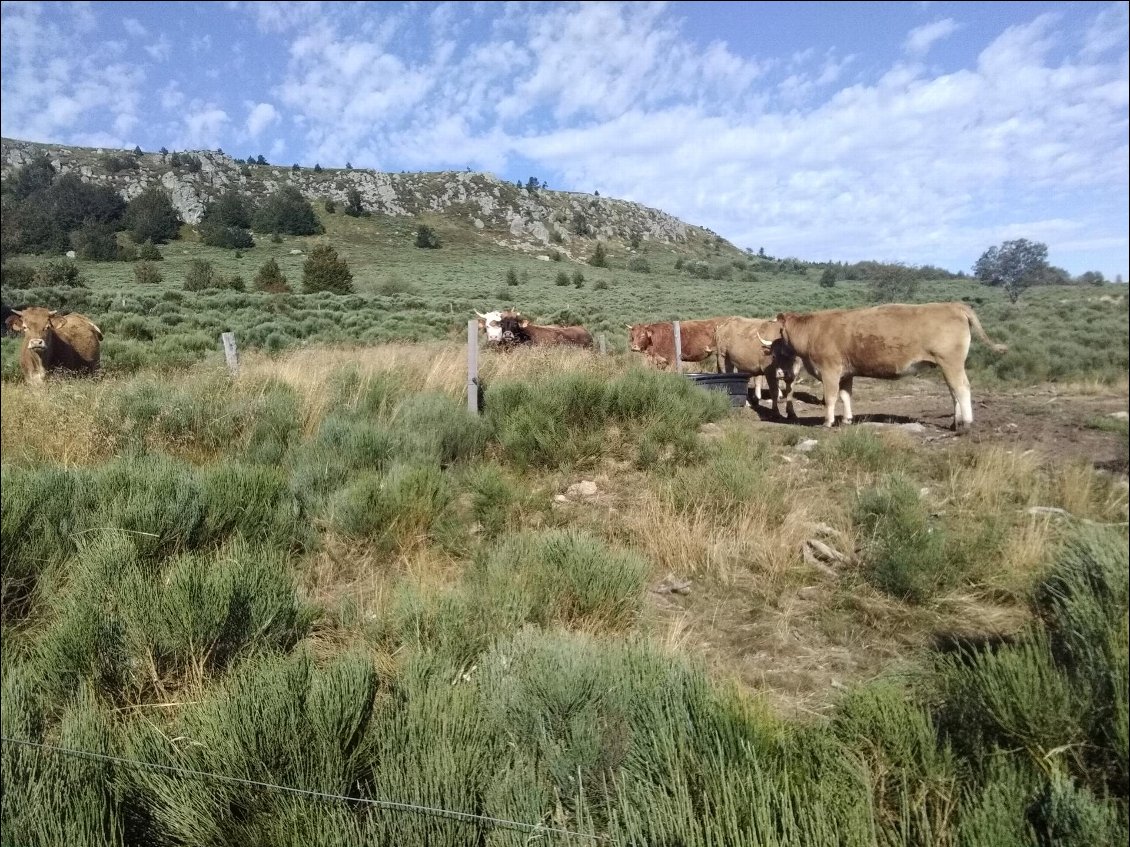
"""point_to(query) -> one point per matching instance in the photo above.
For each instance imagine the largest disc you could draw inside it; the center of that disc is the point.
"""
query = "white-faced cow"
(491, 324)
(53, 342)
(739, 346)
(657, 340)
(518, 330)
(883, 342)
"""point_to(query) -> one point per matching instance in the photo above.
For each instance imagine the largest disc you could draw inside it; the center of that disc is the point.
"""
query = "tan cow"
(739, 346)
(516, 329)
(883, 342)
(68, 343)
(657, 340)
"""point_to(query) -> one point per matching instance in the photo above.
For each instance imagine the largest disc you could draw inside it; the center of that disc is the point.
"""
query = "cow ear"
(525, 322)
(15, 322)
(781, 317)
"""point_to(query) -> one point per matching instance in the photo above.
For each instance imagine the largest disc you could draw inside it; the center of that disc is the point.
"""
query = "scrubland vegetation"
(325, 574)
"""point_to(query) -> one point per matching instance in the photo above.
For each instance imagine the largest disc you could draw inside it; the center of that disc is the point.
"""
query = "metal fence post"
(473, 367)
(678, 348)
(230, 352)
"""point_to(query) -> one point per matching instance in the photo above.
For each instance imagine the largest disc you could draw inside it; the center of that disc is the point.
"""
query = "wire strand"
(390, 805)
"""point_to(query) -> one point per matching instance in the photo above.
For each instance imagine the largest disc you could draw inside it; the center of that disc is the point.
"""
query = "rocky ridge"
(512, 216)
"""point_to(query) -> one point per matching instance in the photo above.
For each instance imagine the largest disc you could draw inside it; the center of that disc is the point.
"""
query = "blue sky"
(919, 132)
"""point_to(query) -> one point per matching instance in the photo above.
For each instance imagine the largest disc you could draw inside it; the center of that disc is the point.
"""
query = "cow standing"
(69, 343)
(657, 340)
(738, 344)
(882, 342)
(518, 330)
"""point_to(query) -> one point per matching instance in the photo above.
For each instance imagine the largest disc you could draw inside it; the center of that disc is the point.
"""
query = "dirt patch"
(821, 633)
(1060, 424)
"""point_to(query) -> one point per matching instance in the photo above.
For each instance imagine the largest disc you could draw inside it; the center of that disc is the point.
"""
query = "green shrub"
(96, 242)
(599, 257)
(639, 265)
(17, 275)
(58, 275)
(286, 211)
(148, 252)
(905, 553)
(395, 509)
(270, 279)
(216, 234)
(426, 237)
(324, 271)
(562, 279)
(146, 273)
(201, 275)
(151, 216)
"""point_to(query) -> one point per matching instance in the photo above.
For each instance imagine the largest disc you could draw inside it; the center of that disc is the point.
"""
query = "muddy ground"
(799, 650)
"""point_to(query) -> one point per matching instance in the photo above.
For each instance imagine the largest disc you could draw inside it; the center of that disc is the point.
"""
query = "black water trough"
(733, 384)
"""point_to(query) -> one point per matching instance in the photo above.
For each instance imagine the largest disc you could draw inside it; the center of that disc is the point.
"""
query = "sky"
(915, 132)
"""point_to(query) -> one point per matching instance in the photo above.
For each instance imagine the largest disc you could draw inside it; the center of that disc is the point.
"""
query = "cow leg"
(958, 383)
(774, 392)
(845, 398)
(831, 383)
(787, 395)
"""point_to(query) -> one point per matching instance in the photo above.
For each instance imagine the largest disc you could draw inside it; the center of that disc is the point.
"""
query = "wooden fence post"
(230, 352)
(678, 348)
(473, 367)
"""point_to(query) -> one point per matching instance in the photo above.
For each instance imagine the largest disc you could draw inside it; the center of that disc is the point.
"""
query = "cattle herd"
(834, 346)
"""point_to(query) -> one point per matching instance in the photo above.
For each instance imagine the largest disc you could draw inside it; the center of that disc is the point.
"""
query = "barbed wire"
(389, 805)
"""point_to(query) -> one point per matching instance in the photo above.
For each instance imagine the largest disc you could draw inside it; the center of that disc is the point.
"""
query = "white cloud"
(203, 127)
(261, 116)
(159, 50)
(921, 39)
(134, 27)
(56, 78)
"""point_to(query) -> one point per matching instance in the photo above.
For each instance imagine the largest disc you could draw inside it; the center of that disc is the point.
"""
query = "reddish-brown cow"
(657, 340)
(69, 343)
(883, 342)
(518, 330)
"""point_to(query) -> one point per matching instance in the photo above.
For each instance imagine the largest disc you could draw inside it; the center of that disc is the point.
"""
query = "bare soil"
(800, 649)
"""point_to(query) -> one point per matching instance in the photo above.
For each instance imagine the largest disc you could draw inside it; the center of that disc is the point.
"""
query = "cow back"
(77, 345)
(879, 341)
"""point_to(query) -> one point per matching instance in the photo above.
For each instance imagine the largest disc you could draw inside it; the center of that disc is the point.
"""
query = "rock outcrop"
(530, 220)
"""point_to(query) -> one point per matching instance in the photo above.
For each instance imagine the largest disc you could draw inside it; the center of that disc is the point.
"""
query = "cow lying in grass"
(518, 330)
(53, 342)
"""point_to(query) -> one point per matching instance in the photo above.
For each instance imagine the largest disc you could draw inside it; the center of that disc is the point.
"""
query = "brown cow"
(518, 330)
(739, 346)
(657, 340)
(883, 342)
(69, 343)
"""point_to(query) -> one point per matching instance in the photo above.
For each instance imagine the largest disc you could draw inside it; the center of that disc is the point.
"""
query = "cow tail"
(979, 331)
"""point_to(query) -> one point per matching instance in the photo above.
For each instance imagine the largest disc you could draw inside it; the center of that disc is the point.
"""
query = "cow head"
(36, 323)
(639, 337)
(775, 346)
(491, 323)
(513, 328)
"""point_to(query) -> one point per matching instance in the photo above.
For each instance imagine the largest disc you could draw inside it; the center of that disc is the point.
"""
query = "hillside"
(609, 605)
(501, 212)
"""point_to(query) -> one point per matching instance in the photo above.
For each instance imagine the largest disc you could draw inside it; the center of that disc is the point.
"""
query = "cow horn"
(484, 317)
(52, 313)
(764, 343)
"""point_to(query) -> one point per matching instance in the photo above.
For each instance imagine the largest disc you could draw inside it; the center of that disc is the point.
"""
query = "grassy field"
(404, 293)
(326, 574)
